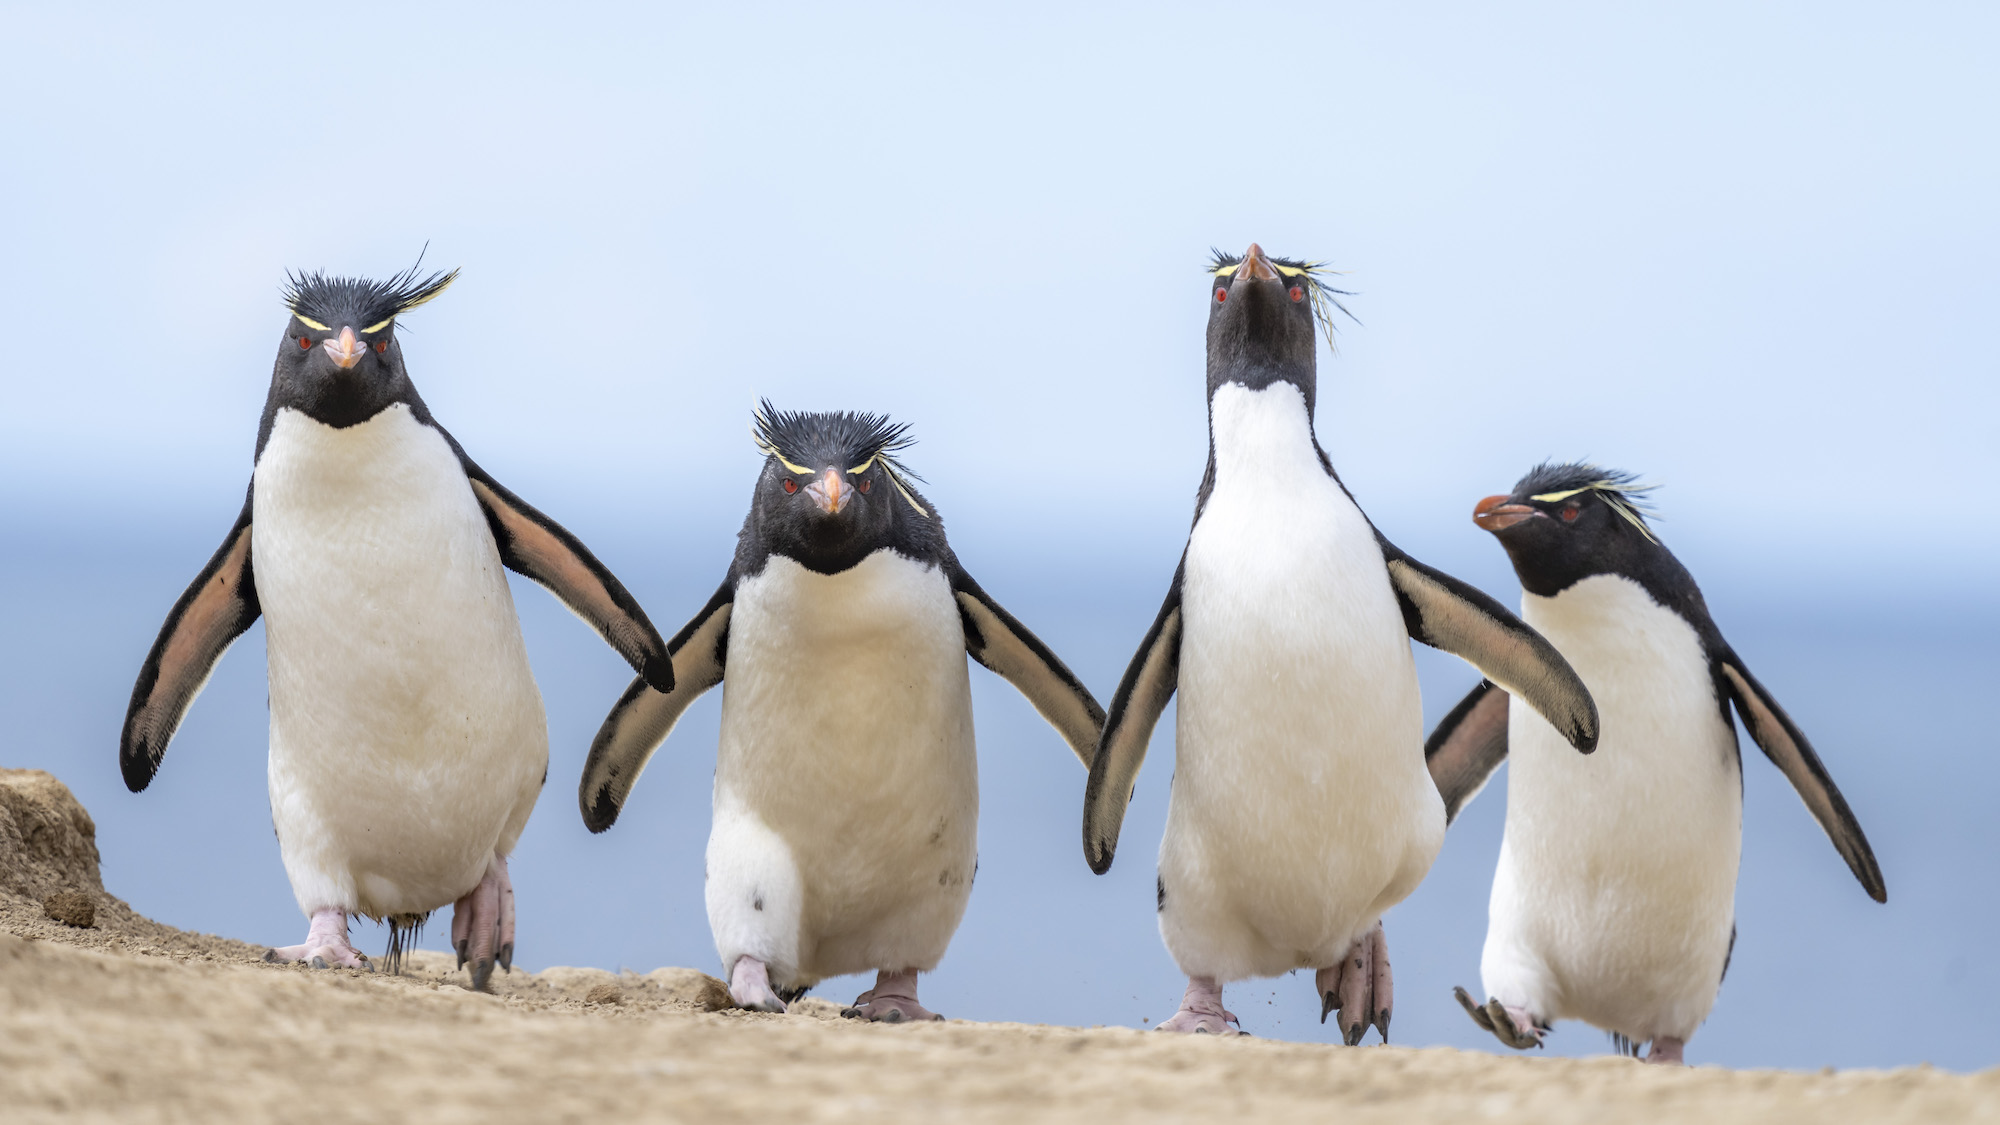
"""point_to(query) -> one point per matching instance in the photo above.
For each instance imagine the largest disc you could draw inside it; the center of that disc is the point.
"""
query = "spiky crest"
(1552, 482)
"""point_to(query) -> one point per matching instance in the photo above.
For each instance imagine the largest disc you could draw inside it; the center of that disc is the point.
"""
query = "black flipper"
(1786, 746)
(1447, 614)
(215, 610)
(1467, 746)
(1000, 643)
(1148, 683)
(542, 549)
(643, 717)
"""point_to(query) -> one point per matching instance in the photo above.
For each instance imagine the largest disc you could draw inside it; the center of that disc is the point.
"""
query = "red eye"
(1298, 294)
(304, 343)
(791, 485)
(381, 346)
(1569, 514)
(1221, 295)
(863, 486)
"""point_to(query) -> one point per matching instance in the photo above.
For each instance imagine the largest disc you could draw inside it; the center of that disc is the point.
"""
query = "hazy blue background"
(1749, 253)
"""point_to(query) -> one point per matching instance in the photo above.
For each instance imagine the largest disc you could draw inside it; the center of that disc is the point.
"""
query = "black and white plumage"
(846, 793)
(408, 742)
(1301, 808)
(1614, 898)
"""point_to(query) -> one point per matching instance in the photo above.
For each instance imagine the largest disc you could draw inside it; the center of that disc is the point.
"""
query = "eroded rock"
(48, 843)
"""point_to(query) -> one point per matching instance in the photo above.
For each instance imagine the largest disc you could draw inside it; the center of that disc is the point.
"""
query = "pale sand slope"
(134, 1021)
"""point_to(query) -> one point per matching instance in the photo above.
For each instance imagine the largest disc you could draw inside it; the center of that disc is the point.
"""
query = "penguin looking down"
(408, 743)
(1614, 899)
(846, 790)
(1300, 808)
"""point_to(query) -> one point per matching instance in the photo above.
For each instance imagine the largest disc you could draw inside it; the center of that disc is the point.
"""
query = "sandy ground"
(133, 1021)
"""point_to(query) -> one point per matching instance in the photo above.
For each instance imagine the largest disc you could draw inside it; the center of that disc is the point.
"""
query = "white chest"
(1667, 755)
(841, 688)
(386, 608)
(376, 519)
(1289, 617)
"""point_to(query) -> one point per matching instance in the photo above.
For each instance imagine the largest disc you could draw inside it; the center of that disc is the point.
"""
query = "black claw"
(1476, 1011)
(893, 1015)
(482, 975)
(1328, 1003)
(461, 951)
(507, 957)
(1354, 1034)
(1382, 1023)
(850, 1013)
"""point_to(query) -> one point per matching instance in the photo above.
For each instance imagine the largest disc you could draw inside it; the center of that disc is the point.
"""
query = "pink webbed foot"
(1360, 988)
(1666, 1050)
(326, 945)
(892, 1000)
(750, 986)
(1202, 1012)
(1516, 1027)
(482, 925)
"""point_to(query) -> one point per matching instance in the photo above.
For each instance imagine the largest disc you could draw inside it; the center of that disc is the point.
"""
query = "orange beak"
(1497, 513)
(830, 492)
(1256, 266)
(344, 349)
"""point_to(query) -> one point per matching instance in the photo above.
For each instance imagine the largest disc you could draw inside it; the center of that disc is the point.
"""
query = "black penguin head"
(1566, 522)
(1261, 313)
(833, 490)
(339, 362)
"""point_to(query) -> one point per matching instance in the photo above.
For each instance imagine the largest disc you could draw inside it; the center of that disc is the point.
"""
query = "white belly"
(407, 737)
(1301, 808)
(1615, 894)
(846, 787)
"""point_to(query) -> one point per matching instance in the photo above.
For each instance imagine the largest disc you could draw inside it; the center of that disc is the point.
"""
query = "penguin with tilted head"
(846, 792)
(1614, 901)
(1300, 807)
(407, 738)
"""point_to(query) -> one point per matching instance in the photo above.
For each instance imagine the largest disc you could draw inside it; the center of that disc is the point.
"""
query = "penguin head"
(339, 361)
(1566, 522)
(833, 490)
(1261, 317)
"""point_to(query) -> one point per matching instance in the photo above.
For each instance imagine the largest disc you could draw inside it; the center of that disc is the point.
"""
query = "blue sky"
(1746, 252)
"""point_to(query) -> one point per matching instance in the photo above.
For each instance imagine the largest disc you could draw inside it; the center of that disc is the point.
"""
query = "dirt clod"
(71, 909)
(604, 994)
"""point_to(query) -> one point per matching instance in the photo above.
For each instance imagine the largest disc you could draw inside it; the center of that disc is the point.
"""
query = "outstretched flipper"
(996, 640)
(216, 609)
(643, 717)
(1447, 614)
(542, 549)
(1788, 749)
(1467, 746)
(1148, 684)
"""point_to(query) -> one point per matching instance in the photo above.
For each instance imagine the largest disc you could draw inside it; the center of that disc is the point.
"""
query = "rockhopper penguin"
(407, 737)
(1300, 807)
(1614, 901)
(846, 792)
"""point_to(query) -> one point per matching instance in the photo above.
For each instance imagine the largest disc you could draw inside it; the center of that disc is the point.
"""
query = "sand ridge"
(135, 1021)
